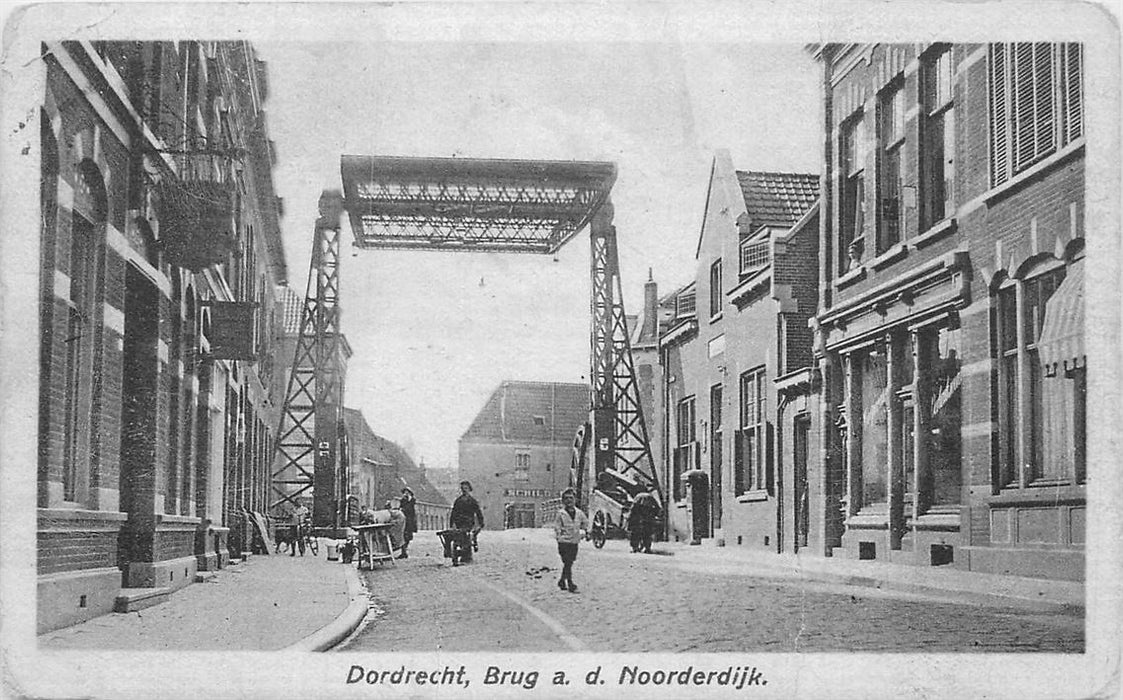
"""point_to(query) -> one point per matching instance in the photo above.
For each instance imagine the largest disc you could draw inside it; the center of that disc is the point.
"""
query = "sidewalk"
(265, 603)
(990, 588)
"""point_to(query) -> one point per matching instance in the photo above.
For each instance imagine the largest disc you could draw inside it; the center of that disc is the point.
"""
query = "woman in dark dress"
(409, 509)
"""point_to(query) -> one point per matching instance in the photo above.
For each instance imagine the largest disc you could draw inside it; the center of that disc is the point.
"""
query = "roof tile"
(531, 412)
(777, 199)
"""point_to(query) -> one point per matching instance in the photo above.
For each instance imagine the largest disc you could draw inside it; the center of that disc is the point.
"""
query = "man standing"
(568, 527)
(299, 521)
(469, 520)
(408, 506)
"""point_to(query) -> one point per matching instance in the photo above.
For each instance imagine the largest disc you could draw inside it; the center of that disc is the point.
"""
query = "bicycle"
(290, 543)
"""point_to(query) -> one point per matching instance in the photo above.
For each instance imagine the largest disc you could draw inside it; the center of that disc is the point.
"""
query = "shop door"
(715, 456)
(802, 511)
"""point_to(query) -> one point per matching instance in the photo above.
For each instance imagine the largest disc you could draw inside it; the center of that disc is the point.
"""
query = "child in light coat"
(570, 526)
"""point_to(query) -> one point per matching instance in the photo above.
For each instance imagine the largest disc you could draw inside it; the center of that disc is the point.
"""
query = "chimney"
(650, 308)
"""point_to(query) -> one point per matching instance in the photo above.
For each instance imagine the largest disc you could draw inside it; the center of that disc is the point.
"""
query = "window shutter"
(949, 162)
(1045, 118)
(999, 115)
(1073, 91)
(1023, 104)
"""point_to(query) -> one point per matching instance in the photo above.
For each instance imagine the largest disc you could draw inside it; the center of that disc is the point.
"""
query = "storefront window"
(874, 392)
(944, 445)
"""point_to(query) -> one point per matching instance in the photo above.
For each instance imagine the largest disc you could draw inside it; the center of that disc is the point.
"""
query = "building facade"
(378, 469)
(740, 324)
(949, 335)
(518, 450)
(160, 253)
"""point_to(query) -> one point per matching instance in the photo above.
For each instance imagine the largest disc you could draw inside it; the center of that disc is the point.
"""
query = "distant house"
(517, 451)
(379, 469)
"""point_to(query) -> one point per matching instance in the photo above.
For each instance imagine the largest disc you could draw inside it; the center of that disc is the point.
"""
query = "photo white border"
(30, 672)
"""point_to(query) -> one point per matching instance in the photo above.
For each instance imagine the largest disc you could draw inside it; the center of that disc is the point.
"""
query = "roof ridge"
(776, 172)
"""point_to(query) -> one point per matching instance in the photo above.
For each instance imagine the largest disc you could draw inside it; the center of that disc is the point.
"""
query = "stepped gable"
(531, 412)
(777, 199)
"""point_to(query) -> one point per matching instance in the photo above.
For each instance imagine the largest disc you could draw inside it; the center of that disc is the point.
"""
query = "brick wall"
(796, 267)
(74, 550)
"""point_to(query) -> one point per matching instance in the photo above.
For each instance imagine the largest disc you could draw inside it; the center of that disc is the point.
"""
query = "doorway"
(137, 478)
(715, 455)
(802, 511)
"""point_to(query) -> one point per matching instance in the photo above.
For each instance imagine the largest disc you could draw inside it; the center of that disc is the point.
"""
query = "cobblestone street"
(508, 599)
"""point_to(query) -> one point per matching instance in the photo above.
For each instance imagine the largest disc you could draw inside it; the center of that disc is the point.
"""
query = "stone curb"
(1043, 593)
(325, 638)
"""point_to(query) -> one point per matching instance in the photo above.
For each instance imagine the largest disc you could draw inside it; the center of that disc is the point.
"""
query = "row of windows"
(1035, 106)
(901, 406)
(82, 260)
(752, 449)
(753, 254)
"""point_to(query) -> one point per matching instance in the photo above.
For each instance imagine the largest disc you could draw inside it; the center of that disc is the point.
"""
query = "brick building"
(160, 253)
(740, 324)
(949, 336)
(518, 449)
(378, 469)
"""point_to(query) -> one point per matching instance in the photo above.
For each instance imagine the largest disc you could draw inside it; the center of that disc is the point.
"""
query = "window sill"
(850, 278)
(895, 252)
(79, 512)
(715, 318)
(751, 496)
(941, 228)
(1033, 171)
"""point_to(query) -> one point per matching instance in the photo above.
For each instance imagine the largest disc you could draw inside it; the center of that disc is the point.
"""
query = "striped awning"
(1061, 345)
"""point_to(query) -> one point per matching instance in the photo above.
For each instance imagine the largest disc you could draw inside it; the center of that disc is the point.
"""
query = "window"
(684, 304)
(82, 268)
(937, 138)
(78, 342)
(852, 156)
(522, 466)
(891, 135)
(685, 454)
(1050, 414)
(1036, 103)
(942, 480)
(715, 288)
(755, 254)
(872, 381)
(751, 471)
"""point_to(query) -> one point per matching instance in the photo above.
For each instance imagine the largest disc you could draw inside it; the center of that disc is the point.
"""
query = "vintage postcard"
(539, 349)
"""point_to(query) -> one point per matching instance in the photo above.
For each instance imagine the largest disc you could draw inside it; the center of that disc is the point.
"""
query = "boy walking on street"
(568, 527)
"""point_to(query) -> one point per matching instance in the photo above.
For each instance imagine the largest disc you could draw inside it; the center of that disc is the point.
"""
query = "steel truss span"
(457, 204)
(486, 205)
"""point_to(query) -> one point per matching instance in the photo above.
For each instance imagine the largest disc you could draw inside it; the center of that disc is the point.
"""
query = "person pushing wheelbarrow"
(467, 519)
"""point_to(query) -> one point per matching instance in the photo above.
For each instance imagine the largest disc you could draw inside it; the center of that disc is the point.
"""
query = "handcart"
(374, 544)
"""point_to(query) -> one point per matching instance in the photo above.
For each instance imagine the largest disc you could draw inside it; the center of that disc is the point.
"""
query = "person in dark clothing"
(641, 520)
(468, 519)
(408, 506)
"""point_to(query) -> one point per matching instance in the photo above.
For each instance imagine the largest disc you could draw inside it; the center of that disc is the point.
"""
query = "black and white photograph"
(533, 349)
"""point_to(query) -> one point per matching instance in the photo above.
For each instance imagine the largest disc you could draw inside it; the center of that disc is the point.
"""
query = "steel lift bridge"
(462, 205)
